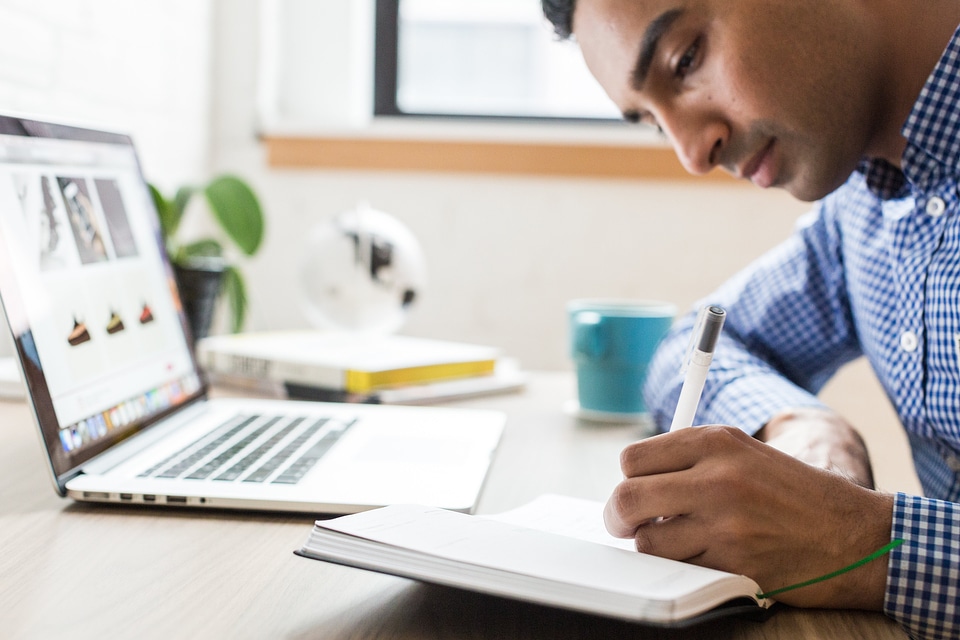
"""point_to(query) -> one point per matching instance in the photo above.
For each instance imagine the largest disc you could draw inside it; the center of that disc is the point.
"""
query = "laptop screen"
(87, 290)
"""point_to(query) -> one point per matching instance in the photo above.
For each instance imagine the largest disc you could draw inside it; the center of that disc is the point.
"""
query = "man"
(853, 103)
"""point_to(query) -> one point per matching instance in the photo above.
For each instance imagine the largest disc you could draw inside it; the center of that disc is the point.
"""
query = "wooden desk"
(85, 571)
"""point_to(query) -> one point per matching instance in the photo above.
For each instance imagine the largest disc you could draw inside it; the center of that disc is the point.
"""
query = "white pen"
(702, 344)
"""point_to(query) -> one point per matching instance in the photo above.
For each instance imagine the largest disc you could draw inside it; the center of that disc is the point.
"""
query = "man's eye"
(687, 60)
(650, 121)
(644, 119)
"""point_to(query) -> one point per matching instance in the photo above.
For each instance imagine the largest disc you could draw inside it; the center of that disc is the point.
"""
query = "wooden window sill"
(532, 158)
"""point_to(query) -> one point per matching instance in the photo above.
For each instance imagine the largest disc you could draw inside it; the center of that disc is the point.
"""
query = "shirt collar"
(932, 131)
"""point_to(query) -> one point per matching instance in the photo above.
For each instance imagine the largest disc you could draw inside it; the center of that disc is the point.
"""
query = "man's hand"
(716, 497)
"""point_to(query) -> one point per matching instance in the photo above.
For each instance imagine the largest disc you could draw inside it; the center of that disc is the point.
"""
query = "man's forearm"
(822, 439)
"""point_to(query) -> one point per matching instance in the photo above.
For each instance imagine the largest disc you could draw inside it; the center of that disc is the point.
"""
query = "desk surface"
(88, 571)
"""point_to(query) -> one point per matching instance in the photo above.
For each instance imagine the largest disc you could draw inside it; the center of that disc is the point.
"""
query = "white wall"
(505, 253)
(138, 67)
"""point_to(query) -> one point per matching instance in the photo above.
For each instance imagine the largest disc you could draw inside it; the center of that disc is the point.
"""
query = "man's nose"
(698, 144)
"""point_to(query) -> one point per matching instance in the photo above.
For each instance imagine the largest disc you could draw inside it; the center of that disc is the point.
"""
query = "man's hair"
(560, 15)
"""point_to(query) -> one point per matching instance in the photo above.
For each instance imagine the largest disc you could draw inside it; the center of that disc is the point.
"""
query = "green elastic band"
(859, 563)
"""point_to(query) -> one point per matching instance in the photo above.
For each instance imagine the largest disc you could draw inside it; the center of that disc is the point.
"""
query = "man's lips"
(761, 169)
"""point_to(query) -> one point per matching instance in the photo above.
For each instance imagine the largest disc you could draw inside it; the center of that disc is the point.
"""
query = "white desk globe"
(361, 271)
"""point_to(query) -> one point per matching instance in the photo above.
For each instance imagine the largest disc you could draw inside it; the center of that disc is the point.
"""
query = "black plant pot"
(200, 282)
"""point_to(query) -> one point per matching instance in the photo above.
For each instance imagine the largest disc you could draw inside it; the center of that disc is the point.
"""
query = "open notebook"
(552, 551)
(118, 397)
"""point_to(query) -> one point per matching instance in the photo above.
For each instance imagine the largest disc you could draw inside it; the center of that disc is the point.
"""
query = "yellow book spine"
(365, 381)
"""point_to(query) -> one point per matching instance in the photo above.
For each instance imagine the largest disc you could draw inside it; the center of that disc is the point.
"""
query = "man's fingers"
(677, 538)
(679, 450)
(689, 471)
(617, 519)
(636, 501)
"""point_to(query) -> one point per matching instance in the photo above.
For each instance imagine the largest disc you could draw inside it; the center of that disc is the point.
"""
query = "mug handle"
(587, 339)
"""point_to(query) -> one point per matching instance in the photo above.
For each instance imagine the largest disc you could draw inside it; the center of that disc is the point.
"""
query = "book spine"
(366, 381)
(275, 370)
(350, 380)
(259, 386)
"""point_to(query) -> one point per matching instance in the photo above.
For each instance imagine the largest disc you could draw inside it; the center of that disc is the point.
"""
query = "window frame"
(386, 42)
(386, 67)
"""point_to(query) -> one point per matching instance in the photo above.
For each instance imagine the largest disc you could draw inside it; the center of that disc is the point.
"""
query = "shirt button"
(908, 341)
(936, 207)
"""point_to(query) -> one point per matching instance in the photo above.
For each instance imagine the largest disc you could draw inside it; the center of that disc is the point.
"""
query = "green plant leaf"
(236, 292)
(201, 248)
(168, 217)
(180, 201)
(238, 211)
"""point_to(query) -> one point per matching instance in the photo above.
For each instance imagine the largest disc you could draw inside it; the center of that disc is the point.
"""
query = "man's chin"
(804, 194)
(809, 192)
(808, 188)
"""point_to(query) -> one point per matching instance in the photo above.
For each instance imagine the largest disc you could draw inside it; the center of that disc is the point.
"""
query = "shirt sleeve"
(923, 574)
(788, 330)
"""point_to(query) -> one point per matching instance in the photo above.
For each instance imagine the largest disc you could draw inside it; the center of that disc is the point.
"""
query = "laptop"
(119, 400)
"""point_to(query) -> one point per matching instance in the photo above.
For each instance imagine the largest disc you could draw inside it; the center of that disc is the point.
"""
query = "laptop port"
(96, 495)
(149, 498)
(126, 496)
(176, 500)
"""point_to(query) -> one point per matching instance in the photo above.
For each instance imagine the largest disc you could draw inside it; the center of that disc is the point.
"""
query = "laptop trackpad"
(433, 465)
(418, 451)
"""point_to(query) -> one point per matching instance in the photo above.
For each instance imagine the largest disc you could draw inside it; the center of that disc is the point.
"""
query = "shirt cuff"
(923, 574)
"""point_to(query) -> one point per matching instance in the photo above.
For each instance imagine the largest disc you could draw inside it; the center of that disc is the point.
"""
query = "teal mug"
(611, 343)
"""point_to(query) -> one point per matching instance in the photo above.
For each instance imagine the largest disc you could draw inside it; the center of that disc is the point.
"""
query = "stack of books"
(333, 366)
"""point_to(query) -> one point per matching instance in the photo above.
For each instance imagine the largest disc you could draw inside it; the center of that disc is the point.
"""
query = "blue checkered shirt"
(874, 271)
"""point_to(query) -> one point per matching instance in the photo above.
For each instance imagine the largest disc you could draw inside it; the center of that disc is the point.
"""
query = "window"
(479, 58)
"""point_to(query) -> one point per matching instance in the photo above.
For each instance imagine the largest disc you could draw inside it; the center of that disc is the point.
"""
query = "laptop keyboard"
(255, 448)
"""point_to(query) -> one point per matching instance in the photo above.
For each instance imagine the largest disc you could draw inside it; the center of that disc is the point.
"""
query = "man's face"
(785, 93)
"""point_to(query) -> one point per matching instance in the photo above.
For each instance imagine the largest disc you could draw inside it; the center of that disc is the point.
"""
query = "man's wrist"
(825, 440)
(854, 524)
(865, 586)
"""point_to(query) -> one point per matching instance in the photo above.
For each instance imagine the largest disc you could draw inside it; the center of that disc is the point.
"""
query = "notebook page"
(573, 517)
(513, 549)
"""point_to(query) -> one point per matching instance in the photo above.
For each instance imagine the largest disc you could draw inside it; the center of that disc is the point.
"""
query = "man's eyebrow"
(648, 46)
